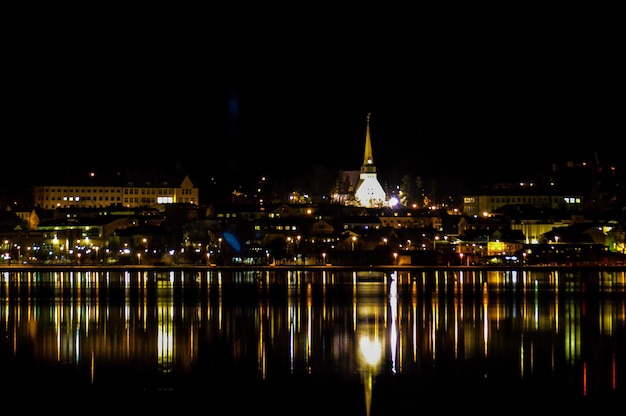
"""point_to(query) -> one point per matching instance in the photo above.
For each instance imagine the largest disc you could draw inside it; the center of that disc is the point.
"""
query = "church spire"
(369, 192)
(368, 159)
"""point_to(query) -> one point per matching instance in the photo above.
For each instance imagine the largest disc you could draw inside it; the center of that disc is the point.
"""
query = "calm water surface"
(315, 342)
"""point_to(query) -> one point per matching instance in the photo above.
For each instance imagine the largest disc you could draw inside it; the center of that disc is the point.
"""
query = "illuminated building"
(369, 192)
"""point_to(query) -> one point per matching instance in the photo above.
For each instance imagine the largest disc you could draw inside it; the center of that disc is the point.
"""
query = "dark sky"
(452, 101)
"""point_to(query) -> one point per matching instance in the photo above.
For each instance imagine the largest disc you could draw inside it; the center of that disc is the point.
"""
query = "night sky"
(454, 103)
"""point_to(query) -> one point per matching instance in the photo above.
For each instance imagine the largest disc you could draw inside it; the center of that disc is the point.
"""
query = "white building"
(368, 191)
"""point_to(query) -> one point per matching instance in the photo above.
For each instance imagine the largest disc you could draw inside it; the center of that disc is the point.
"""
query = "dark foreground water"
(323, 342)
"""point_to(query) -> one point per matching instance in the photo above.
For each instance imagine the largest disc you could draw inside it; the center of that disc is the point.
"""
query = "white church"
(361, 188)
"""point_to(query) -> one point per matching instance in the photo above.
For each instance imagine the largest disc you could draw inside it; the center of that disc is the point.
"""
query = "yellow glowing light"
(371, 350)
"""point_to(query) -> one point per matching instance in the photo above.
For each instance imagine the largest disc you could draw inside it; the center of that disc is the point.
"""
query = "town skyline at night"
(456, 103)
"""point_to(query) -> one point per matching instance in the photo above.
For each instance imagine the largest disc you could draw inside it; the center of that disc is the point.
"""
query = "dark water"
(314, 342)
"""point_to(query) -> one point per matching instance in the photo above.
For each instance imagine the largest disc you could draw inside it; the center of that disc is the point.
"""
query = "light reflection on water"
(351, 342)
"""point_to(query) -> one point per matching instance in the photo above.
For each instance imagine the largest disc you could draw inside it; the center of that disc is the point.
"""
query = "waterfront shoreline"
(404, 267)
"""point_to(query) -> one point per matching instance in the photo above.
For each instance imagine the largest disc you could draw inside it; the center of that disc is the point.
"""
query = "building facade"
(130, 195)
(364, 190)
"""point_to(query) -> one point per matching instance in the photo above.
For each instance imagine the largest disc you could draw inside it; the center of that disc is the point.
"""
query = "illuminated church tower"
(368, 191)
